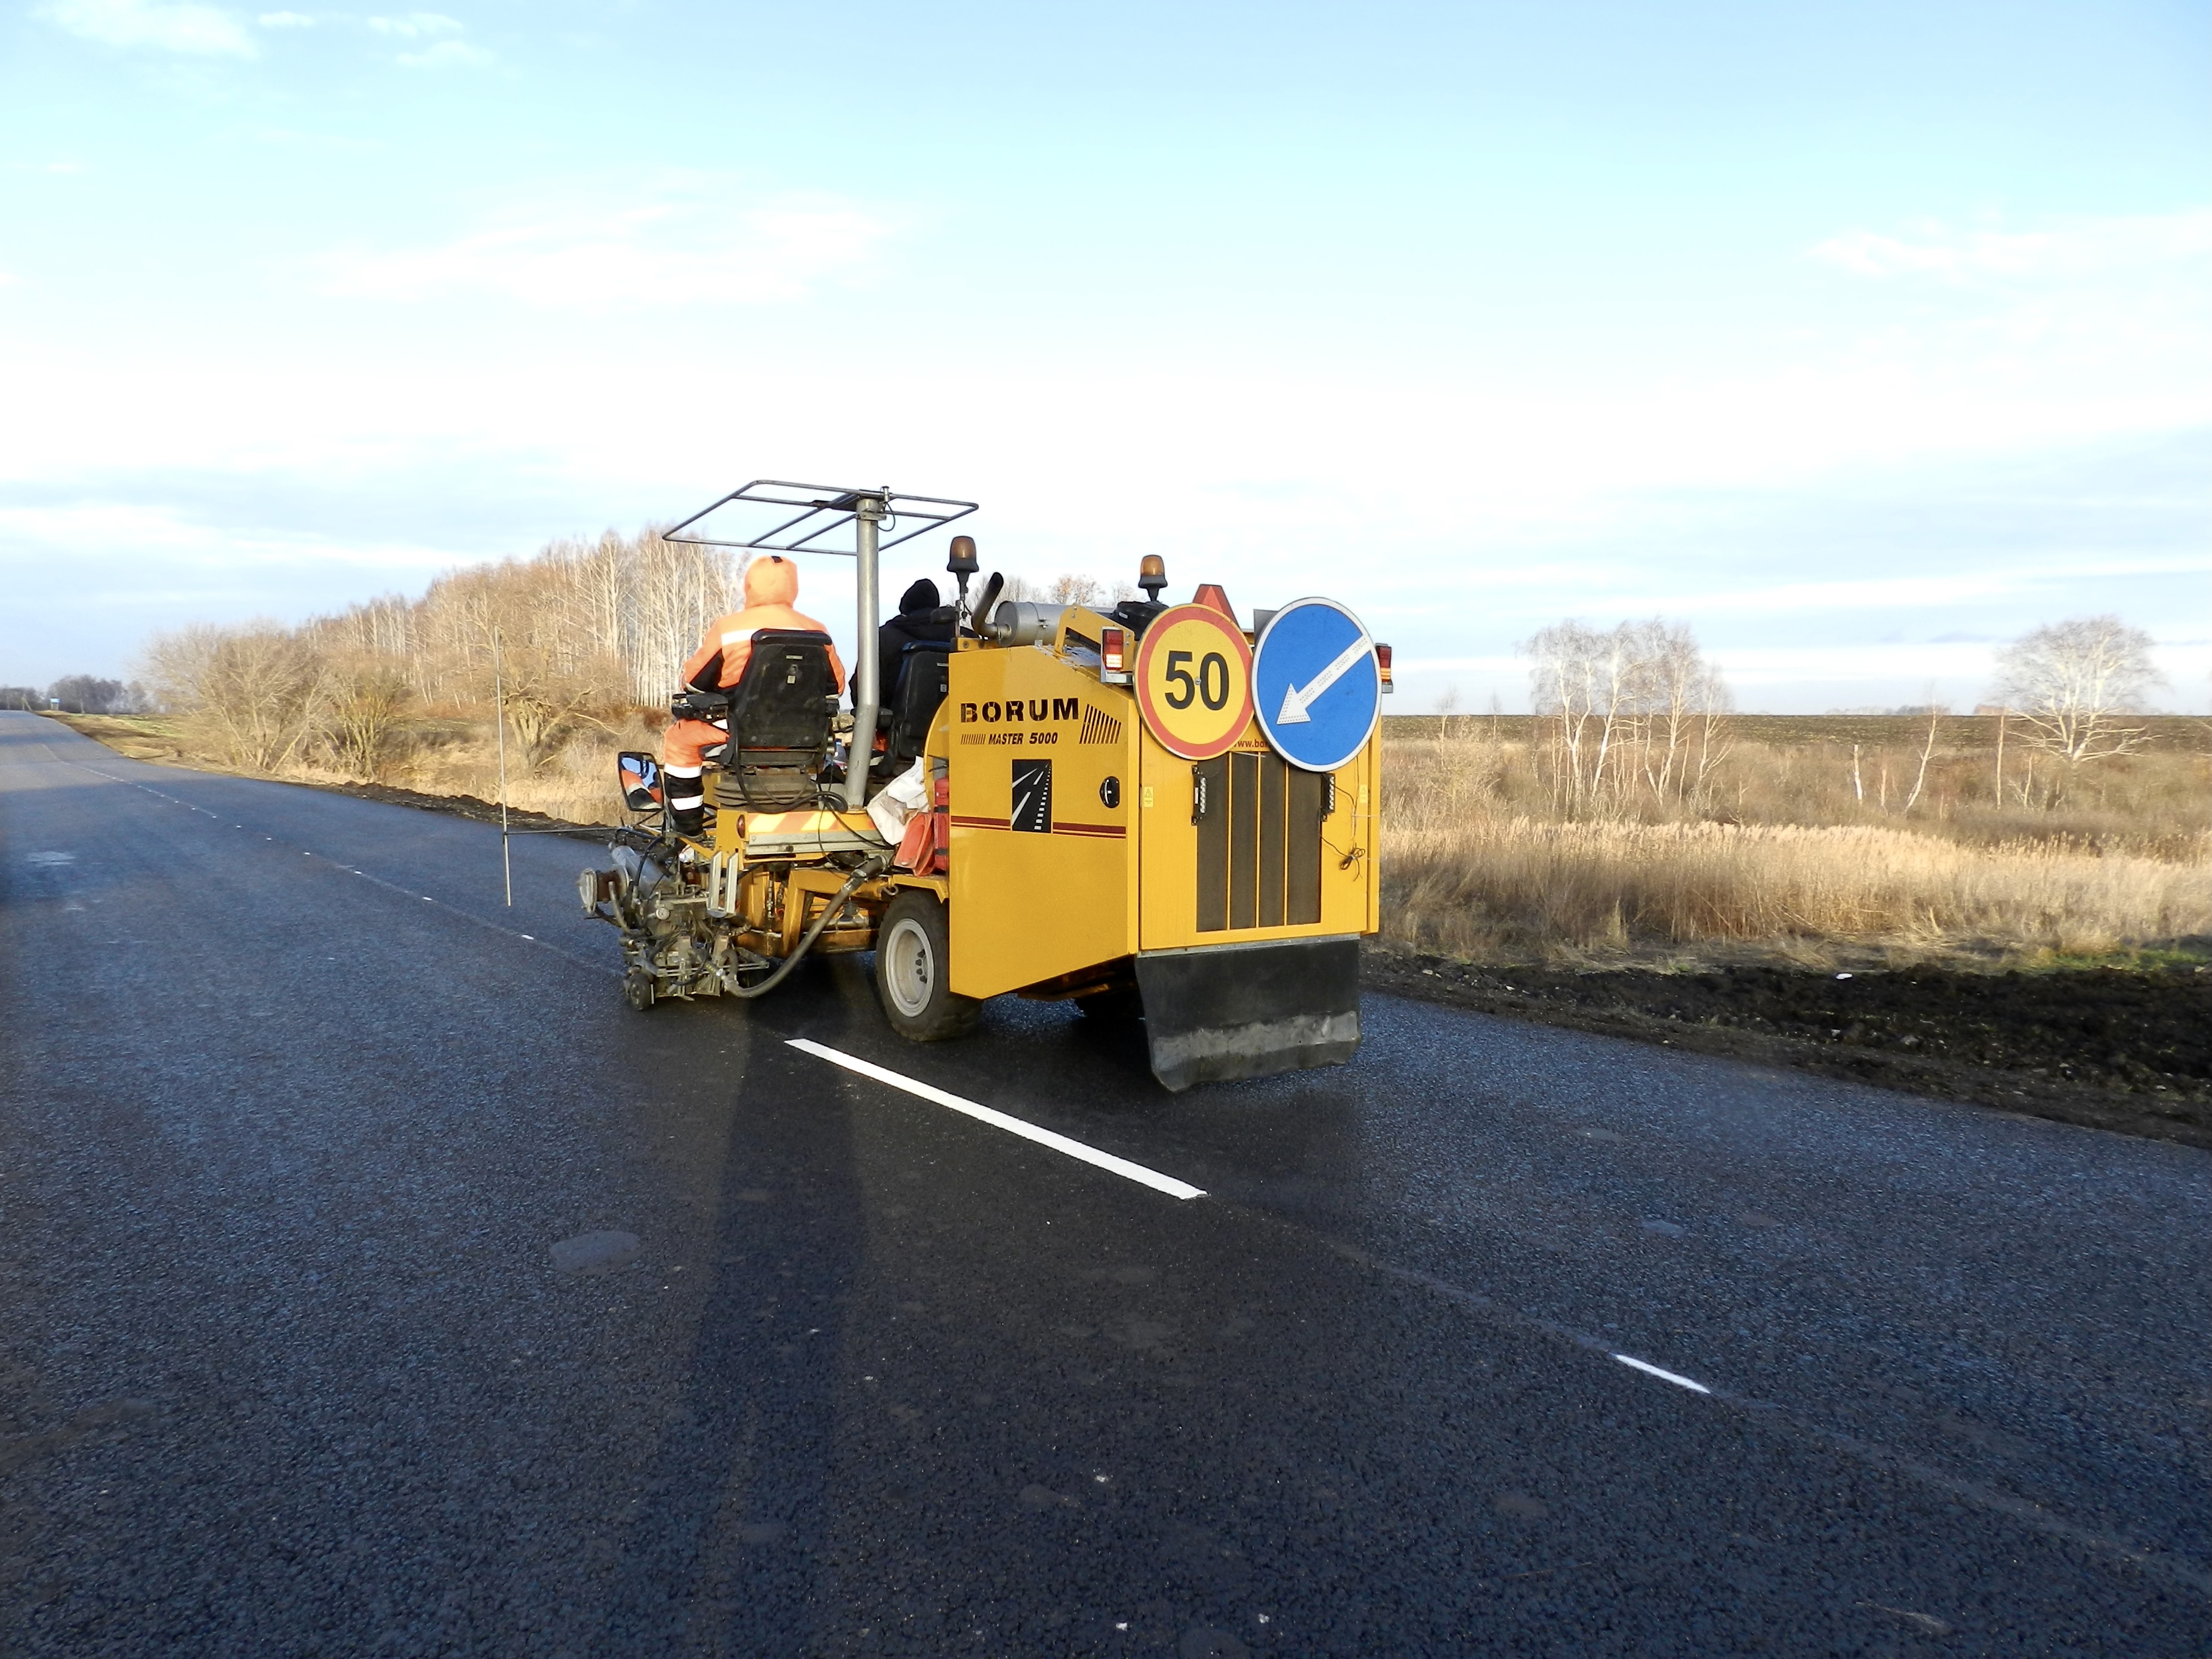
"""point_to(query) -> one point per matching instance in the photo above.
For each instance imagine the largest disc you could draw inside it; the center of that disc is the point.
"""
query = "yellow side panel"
(1350, 893)
(1034, 902)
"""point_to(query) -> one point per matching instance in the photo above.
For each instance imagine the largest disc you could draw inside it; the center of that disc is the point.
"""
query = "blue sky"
(1860, 337)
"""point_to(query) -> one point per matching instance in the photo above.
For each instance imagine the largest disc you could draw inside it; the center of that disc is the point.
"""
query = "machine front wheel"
(637, 989)
(912, 972)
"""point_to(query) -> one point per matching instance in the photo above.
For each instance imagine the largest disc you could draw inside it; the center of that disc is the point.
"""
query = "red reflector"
(1112, 643)
(1382, 662)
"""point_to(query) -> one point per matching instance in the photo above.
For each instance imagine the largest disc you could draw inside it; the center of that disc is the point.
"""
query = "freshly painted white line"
(1012, 1125)
(1664, 1376)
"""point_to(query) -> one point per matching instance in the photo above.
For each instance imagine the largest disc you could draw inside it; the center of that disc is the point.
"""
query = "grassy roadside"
(2046, 956)
(452, 766)
(2114, 1035)
(151, 738)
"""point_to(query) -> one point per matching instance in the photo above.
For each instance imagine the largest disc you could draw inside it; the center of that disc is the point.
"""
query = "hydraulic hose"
(868, 872)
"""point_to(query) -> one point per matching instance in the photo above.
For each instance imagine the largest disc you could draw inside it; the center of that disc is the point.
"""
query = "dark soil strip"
(462, 806)
(2106, 1048)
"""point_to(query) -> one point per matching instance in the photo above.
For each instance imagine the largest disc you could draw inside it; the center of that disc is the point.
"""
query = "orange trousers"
(683, 746)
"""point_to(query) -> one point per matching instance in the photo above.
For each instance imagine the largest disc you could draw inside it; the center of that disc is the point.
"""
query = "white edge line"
(1665, 1377)
(1013, 1126)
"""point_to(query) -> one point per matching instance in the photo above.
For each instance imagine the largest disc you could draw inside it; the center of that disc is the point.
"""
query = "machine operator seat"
(924, 675)
(779, 715)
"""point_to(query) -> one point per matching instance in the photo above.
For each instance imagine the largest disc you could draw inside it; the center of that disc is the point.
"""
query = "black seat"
(924, 676)
(779, 724)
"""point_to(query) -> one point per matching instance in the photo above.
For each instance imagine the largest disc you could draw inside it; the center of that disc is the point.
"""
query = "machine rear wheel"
(912, 972)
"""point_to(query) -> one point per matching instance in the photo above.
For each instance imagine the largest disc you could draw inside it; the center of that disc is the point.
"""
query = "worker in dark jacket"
(921, 617)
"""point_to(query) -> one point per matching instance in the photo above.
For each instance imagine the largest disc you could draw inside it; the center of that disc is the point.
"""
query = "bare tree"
(252, 687)
(1936, 713)
(2073, 684)
(364, 697)
(1630, 705)
(1069, 588)
(1684, 699)
(550, 676)
(1563, 686)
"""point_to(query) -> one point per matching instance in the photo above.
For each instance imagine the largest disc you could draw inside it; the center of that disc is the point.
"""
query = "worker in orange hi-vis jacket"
(771, 585)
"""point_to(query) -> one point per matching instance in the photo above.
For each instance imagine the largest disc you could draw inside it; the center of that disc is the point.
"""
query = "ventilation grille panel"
(1258, 822)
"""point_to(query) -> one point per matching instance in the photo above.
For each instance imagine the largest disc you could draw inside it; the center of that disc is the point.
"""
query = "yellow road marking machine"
(1148, 810)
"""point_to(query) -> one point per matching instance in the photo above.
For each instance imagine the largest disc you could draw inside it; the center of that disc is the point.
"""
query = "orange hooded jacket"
(771, 584)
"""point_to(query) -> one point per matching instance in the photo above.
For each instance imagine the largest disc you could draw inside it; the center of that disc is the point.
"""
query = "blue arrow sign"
(1315, 685)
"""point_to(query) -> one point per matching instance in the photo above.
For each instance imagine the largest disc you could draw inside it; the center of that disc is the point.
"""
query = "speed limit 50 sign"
(1194, 681)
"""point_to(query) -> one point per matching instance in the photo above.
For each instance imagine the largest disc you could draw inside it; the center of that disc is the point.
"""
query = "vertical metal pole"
(867, 694)
(499, 705)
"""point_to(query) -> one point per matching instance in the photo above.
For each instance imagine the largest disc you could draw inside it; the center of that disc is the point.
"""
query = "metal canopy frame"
(835, 507)
(825, 509)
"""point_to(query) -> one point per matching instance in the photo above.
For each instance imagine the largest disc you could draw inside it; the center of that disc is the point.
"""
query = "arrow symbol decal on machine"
(1298, 699)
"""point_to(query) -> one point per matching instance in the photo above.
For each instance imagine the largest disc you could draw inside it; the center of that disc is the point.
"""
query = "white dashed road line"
(1012, 1125)
(1664, 1376)
(391, 887)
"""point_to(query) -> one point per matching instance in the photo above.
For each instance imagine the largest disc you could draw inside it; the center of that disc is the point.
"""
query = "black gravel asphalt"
(373, 1280)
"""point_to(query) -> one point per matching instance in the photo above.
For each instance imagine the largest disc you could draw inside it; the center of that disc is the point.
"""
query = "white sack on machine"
(899, 800)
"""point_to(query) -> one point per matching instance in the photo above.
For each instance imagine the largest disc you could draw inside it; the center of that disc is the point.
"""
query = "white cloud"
(447, 54)
(285, 20)
(195, 546)
(671, 251)
(445, 51)
(2065, 253)
(2078, 327)
(200, 30)
(418, 26)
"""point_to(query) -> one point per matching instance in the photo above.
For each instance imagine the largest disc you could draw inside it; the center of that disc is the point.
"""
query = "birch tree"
(2073, 685)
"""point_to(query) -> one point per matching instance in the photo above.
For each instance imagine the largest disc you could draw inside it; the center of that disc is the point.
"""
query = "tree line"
(1634, 715)
(582, 634)
(80, 693)
(576, 637)
(573, 638)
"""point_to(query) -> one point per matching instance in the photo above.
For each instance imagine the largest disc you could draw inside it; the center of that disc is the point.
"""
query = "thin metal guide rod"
(866, 693)
(499, 706)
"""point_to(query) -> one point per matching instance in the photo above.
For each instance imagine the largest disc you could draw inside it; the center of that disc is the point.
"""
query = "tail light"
(1383, 665)
(1113, 655)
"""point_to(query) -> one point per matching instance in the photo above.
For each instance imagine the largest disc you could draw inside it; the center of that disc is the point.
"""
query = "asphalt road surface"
(376, 1282)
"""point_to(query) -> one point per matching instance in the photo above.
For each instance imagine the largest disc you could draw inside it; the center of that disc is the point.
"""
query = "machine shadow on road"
(732, 1507)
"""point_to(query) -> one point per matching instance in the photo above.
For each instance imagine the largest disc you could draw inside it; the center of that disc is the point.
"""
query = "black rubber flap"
(1235, 1010)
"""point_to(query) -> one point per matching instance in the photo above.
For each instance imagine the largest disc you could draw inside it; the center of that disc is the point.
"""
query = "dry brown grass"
(576, 784)
(453, 754)
(1791, 865)
(1476, 864)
